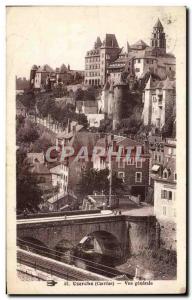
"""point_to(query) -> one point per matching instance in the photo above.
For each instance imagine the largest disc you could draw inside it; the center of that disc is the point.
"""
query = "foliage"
(27, 191)
(169, 129)
(79, 95)
(27, 132)
(42, 144)
(27, 99)
(98, 181)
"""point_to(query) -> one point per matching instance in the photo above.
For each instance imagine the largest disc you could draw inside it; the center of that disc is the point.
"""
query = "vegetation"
(28, 193)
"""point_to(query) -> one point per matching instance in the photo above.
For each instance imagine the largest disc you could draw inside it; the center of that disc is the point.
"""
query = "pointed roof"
(110, 41)
(151, 84)
(98, 43)
(158, 24)
(63, 68)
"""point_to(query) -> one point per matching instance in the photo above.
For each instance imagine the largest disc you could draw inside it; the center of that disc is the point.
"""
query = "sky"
(57, 35)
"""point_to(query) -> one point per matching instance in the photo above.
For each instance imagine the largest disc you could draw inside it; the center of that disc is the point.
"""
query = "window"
(175, 176)
(169, 195)
(138, 177)
(138, 60)
(138, 163)
(163, 194)
(121, 175)
(165, 175)
(164, 210)
(121, 163)
(137, 70)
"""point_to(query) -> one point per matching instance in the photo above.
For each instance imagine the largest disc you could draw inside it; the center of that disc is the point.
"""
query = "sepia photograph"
(96, 104)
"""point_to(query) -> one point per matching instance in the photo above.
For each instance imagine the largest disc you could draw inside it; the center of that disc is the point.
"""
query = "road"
(143, 211)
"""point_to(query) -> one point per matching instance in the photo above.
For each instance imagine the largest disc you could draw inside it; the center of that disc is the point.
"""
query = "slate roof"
(158, 24)
(45, 68)
(139, 44)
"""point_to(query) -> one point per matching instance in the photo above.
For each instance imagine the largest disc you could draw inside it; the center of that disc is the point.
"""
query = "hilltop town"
(123, 100)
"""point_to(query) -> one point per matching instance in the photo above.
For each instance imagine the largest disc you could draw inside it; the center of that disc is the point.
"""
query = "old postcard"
(96, 150)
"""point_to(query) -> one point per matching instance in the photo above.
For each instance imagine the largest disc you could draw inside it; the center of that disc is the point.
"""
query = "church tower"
(158, 41)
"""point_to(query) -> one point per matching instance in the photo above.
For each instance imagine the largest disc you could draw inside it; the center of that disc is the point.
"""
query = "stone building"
(44, 77)
(133, 172)
(98, 59)
(159, 100)
(165, 186)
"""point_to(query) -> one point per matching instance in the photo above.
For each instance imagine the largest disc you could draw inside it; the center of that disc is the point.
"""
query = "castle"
(151, 70)
(43, 77)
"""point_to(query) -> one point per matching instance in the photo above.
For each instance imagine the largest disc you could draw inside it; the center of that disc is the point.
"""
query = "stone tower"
(158, 41)
(104, 98)
(32, 75)
(119, 92)
(110, 101)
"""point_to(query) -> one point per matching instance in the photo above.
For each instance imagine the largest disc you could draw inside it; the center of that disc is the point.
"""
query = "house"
(165, 201)
(159, 102)
(61, 202)
(133, 171)
(63, 138)
(98, 59)
(141, 58)
(44, 77)
(98, 201)
(60, 175)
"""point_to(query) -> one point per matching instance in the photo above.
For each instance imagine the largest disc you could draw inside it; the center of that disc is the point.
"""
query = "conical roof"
(98, 43)
(63, 68)
(158, 24)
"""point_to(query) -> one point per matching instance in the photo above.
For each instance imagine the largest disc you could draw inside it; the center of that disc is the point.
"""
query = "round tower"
(32, 75)
(119, 92)
(110, 101)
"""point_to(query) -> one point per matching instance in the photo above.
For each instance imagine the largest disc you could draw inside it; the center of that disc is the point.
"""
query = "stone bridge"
(130, 233)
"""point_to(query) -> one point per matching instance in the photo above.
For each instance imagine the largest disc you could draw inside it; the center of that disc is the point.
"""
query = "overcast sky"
(57, 35)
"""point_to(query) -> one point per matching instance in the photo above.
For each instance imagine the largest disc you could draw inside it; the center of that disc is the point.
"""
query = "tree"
(168, 129)
(27, 191)
(81, 119)
(27, 133)
(79, 95)
(98, 181)
(42, 144)
(27, 99)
